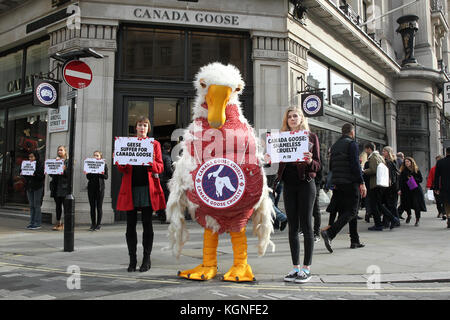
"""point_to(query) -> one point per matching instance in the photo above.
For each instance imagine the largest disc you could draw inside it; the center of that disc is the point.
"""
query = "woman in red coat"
(140, 189)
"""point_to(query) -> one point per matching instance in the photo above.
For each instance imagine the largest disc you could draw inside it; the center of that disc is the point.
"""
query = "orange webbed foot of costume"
(199, 273)
(241, 270)
(239, 273)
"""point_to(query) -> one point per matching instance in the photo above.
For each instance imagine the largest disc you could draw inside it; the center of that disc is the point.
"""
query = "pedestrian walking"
(442, 182)
(400, 159)
(141, 190)
(96, 193)
(59, 188)
(437, 197)
(165, 177)
(299, 195)
(349, 186)
(411, 194)
(390, 194)
(34, 186)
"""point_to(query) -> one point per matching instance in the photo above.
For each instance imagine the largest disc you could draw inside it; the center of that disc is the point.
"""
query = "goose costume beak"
(217, 100)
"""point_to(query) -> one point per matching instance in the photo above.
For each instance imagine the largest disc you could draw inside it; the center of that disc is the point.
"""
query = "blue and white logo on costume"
(46, 93)
(220, 183)
(312, 104)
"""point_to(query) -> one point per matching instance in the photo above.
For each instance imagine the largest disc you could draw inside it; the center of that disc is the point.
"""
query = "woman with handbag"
(411, 193)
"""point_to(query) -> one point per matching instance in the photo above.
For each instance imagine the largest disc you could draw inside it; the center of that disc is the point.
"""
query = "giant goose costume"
(219, 178)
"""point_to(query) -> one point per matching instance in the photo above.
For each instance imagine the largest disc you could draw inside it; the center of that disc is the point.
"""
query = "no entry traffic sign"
(77, 74)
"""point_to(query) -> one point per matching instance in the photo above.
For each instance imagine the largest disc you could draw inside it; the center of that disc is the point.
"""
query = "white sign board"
(287, 146)
(92, 165)
(447, 92)
(58, 119)
(28, 168)
(53, 166)
(133, 151)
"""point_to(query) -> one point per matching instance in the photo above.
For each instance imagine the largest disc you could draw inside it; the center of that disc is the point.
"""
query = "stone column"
(391, 123)
(434, 123)
(94, 112)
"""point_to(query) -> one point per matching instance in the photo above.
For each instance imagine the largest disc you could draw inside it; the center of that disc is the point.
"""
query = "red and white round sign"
(77, 74)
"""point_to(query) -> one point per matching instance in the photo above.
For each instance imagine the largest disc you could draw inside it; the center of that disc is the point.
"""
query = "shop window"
(341, 91)
(208, 47)
(317, 76)
(361, 101)
(377, 110)
(11, 74)
(153, 53)
(37, 62)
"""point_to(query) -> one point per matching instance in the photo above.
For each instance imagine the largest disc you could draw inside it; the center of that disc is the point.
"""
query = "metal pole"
(69, 216)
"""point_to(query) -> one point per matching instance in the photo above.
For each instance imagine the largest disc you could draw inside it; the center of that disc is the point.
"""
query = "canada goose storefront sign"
(312, 104)
(220, 183)
(45, 93)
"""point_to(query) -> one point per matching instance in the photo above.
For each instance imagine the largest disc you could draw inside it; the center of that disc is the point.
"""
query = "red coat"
(430, 180)
(125, 200)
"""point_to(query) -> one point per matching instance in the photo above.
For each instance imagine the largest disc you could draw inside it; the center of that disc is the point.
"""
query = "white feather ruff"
(181, 182)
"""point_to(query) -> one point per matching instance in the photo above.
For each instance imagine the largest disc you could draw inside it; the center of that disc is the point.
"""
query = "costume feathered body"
(219, 177)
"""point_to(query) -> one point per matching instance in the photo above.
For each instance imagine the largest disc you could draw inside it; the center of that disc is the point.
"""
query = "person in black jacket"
(165, 177)
(59, 187)
(96, 193)
(411, 199)
(442, 182)
(34, 185)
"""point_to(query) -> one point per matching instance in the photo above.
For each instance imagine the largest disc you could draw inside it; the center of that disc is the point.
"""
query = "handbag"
(412, 184)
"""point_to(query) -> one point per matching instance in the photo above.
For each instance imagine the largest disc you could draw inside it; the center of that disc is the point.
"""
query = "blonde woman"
(299, 194)
(59, 187)
(390, 194)
(411, 195)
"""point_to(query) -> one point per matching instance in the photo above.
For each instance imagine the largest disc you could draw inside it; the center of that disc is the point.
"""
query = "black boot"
(132, 265)
(146, 264)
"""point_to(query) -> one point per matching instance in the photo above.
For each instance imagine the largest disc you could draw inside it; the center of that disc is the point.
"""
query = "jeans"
(147, 235)
(299, 203)
(347, 205)
(35, 200)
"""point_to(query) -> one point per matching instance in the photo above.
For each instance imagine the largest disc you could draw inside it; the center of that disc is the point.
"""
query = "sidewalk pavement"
(405, 254)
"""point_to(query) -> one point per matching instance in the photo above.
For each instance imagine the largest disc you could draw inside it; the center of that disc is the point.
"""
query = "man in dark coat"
(442, 182)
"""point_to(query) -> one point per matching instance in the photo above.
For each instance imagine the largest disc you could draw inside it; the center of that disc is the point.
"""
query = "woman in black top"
(96, 193)
(411, 199)
(59, 187)
(34, 185)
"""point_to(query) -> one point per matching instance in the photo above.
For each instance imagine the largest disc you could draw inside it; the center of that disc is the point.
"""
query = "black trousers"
(147, 235)
(439, 203)
(316, 212)
(96, 203)
(377, 206)
(60, 203)
(299, 202)
(347, 204)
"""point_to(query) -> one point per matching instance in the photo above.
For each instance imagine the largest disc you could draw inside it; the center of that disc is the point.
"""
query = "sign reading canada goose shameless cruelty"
(92, 165)
(53, 166)
(28, 168)
(287, 146)
(133, 151)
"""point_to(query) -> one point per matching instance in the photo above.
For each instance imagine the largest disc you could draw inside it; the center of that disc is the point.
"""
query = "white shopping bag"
(430, 195)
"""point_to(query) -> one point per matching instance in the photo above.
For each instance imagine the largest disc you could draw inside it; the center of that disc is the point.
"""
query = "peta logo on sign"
(220, 183)
(312, 104)
(46, 93)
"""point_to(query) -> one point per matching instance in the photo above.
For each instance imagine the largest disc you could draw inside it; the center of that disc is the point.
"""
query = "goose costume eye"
(203, 83)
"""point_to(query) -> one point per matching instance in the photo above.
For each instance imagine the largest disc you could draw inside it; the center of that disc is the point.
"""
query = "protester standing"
(442, 182)
(141, 190)
(59, 188)
(34, 186)
(348, 187)
(299, 195)
(411, 193)
(437, 197)
(165, 177)
(390, 194)
(96, 193)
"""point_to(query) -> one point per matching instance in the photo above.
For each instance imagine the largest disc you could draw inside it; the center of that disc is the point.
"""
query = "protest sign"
(53, 166)
(28, 168)
(287, 146)
(92, 165)
(133, 151)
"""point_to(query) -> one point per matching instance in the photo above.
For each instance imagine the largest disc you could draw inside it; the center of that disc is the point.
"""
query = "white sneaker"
(291, 276)
(303, 277)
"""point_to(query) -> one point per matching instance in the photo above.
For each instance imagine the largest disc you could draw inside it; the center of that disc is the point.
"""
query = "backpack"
(382, 175)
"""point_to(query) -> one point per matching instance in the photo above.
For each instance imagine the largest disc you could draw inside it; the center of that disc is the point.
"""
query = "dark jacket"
(442, 178)
(305, 171)
(59, 186)
(344, 162)
(36, 181)
(97, 181)
(411, 199)
(168, 169)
